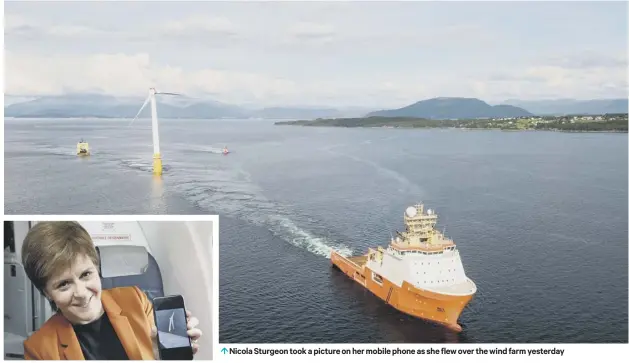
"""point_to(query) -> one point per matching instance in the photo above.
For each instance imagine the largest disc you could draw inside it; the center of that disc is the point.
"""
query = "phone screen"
(172, 331)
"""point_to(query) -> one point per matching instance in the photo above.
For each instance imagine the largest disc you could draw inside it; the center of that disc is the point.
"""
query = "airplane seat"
(17, 309)
(17, 314)
(122, 266)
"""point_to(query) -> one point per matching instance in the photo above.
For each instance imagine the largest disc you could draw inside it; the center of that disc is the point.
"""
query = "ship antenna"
(390, 229)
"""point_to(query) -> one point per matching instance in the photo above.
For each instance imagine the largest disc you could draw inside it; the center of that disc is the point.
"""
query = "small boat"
(225, 151)
(82, 148)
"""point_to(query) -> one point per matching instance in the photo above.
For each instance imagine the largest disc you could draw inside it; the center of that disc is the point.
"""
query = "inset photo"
(98, 288)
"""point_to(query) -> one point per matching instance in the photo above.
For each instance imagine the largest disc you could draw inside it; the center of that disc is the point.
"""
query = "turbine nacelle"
(152, 93)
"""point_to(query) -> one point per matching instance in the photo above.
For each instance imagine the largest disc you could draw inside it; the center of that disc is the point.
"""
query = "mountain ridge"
(452, 108)
(81, 105)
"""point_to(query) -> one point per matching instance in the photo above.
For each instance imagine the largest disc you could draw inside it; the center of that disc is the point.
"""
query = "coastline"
(460, 128)
(588, 124)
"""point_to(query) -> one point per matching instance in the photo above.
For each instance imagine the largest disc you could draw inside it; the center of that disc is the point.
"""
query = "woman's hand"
(193, 332)
(155, 343)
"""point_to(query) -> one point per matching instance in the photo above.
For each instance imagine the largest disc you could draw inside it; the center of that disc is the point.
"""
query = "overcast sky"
(319, 53)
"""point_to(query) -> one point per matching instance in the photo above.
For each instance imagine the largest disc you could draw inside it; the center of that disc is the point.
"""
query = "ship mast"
(420, 228)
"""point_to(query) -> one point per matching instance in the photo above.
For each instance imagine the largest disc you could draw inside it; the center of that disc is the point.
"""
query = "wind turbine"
(157, 158)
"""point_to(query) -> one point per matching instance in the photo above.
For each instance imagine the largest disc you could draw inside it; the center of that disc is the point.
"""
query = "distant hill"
(9, 100)
(444, 108)
(98, 105)
(104, 106)
(571, 106)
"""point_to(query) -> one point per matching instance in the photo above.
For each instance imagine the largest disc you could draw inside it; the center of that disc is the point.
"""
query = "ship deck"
(359, 261)
(463, 288)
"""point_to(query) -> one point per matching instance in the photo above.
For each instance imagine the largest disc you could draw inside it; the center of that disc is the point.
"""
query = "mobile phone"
(172, 331)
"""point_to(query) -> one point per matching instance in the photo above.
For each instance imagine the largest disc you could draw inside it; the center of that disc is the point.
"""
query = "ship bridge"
(420, 234)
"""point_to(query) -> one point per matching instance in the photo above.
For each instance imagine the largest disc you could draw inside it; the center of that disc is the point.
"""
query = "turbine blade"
(141, 108)
(168, 93)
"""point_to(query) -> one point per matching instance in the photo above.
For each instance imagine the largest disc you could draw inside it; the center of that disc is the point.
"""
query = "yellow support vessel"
(82, 148)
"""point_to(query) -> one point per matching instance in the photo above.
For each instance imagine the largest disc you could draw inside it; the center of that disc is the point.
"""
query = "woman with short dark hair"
(90, 323)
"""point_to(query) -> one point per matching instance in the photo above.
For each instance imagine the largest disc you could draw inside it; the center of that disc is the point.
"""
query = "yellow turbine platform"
(157, 164)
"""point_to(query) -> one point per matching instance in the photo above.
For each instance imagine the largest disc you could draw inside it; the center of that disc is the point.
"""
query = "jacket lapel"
(122, 327)
(68, 342)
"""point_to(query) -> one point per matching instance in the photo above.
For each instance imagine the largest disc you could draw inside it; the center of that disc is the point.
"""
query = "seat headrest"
(118, 261)
(122, 266)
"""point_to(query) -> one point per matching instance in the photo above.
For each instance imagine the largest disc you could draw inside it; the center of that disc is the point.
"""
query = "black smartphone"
(172, 328)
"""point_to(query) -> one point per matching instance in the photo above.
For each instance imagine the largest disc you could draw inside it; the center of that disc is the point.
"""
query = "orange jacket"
(130, 313)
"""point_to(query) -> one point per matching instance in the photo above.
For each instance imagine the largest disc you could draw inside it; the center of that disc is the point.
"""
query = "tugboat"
(225, 151)
(82, 148)
(420, 273)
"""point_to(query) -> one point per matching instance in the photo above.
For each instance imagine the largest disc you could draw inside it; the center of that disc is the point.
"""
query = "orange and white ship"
(420, 273)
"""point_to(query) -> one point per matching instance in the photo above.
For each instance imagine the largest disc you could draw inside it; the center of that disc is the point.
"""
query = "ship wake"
(231, 193)
(409, 186)
(199, 149)
(141, 165)
(227, 189)
(298, 237)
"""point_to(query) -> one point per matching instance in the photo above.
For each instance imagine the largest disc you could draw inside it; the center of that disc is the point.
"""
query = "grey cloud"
(313, 31)
(196, 31)
(500, 77)
(514, 77)
(23, 31)
(221, 32)
(73, 32)
(200, 27)
(325, 41)
(587, 59)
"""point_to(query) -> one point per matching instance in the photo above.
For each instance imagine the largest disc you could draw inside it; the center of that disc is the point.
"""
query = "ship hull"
(423, 304)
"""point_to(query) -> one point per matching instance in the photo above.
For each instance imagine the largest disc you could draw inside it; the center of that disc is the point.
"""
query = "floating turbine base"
(157, 164)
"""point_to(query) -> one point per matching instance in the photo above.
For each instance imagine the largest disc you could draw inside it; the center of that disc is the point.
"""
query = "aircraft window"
(9, 237)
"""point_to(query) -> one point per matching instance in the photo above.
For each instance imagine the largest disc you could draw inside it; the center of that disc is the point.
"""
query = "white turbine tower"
(157, 158)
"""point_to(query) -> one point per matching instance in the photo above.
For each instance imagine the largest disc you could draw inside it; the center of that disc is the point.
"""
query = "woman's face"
(77, 292)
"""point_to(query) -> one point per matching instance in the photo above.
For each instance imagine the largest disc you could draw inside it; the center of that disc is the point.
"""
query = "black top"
(99, 340)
